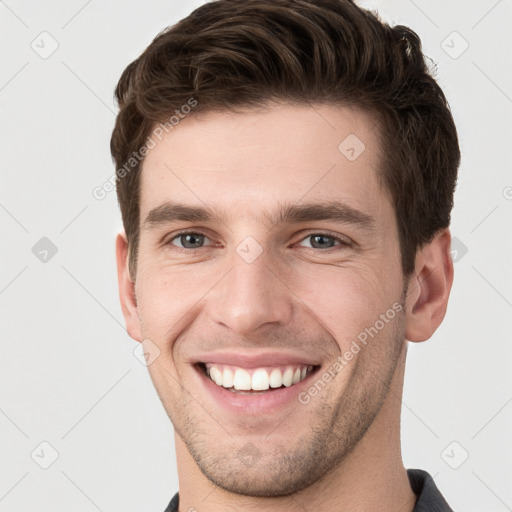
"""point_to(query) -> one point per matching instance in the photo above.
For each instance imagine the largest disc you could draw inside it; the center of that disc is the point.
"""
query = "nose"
(251, 295)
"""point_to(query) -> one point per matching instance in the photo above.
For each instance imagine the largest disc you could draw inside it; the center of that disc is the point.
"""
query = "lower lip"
(254, 402)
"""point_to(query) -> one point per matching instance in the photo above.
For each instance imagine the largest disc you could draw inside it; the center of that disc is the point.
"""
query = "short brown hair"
(230, 53)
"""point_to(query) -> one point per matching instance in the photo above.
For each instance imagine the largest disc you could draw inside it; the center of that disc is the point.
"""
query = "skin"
(340, 451)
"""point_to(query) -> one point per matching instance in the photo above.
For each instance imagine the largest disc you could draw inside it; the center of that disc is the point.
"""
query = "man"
(285, 172)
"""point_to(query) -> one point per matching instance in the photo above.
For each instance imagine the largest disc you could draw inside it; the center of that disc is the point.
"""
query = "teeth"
(228, 378)
(288, 377)
(276, 378)
(242, 380)
(216, 376)
(259, 379)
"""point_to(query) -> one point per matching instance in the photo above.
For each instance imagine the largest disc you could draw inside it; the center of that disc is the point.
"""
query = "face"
(268, 253)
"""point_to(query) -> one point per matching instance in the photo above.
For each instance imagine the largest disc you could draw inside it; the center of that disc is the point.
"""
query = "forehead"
(251, 162)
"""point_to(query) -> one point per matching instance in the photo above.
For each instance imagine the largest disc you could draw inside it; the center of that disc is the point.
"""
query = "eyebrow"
(336, 211)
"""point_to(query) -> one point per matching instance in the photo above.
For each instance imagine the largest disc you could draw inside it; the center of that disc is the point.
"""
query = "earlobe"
(127, 289)
(429, 288)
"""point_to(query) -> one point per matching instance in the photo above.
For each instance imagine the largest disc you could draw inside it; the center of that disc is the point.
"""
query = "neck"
(371, 477)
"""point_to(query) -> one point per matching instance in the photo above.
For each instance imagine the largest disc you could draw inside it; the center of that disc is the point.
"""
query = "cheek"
(168, 297)
(344, 300)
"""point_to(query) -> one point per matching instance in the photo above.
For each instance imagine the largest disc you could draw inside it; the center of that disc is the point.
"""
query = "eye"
(192, 240)
(324, 241)
(187, 240)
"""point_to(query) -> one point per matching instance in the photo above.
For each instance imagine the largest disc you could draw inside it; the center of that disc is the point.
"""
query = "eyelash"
(342, 242)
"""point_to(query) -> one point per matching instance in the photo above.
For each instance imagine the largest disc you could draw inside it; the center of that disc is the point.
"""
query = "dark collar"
(429, 498)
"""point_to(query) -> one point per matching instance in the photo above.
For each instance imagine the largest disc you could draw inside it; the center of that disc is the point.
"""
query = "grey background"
(69, 377)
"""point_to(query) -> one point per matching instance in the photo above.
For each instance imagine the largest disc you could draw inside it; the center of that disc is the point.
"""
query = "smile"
(256, 380)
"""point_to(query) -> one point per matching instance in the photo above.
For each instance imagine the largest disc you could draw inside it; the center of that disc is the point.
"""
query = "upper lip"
(258, 360)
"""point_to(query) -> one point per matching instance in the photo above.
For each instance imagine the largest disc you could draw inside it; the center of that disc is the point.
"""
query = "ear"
(127, 289)
(429, 288)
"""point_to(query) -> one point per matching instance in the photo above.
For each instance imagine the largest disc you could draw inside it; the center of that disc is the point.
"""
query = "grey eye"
(322, 241)
(190, 240)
